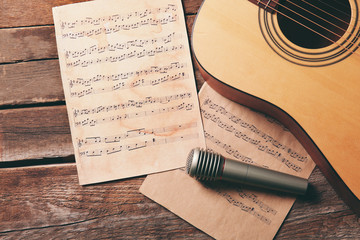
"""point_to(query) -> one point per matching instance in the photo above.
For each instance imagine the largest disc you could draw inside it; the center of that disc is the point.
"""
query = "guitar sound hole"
(313, 24)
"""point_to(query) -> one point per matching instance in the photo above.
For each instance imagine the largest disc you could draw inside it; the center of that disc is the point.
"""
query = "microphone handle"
(242, 173)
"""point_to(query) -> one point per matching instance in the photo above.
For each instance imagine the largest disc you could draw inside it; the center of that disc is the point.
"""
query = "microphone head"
(204, 165)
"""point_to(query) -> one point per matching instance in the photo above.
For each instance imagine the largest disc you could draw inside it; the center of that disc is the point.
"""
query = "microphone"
(208, 166)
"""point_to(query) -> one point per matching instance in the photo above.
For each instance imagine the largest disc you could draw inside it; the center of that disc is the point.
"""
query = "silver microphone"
(208, 166)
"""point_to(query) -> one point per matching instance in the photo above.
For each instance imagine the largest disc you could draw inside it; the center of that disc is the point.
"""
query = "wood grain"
(49, 201)
(320, 214)
(30, 82)
(28, 13)
(29, 43)
(23, 44)
(33, 133)
(38, 12)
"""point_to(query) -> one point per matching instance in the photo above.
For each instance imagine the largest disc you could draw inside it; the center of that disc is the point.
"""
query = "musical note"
(130, 104)
(93, 122)
(126, 75)
(229, 149)
(244, 137)
(247, 208)
(254, 198)
(118, 46)
(125, 56)
(127, 85)
(170, 8)
(162, 131)
(208, 103)
(135, 146)
(151, 21)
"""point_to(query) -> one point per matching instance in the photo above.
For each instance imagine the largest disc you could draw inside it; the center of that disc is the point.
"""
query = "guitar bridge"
(268, 5)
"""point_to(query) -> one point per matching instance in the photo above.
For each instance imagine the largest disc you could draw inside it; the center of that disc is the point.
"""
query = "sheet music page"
(229, 211)
(129, 86)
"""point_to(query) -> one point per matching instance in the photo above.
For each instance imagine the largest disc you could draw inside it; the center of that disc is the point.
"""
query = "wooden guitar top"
(244, 55)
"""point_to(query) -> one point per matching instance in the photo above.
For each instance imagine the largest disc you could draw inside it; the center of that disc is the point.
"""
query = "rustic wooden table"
(39, 192)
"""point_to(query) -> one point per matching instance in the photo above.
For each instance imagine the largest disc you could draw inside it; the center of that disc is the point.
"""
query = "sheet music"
(129, 86)
(228, 211)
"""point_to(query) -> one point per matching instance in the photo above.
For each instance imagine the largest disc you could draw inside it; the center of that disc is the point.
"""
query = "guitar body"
(245, 54)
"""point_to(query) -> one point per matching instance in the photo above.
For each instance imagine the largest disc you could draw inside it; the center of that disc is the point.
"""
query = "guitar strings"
(301, 24)
(314, 6)
(310, 13)
(314, 31)
(337, 1)
(340, 3)
(318, 15)
(309, 28)
(312, 20)
(325, 3)
(317, 8)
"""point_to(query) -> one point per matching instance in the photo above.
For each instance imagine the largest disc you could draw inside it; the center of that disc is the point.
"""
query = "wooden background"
(39, 192)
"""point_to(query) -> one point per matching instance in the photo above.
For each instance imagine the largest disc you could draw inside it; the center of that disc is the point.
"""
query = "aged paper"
(227, 211)
(129, 86)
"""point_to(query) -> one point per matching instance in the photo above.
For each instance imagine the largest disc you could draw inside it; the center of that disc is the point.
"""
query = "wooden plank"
(34, 133)
(30, 82)
(29, 43)
(36, 81)
(320, 214)
(23, 44)
(28, 13)
(38, 12)
(48, 201)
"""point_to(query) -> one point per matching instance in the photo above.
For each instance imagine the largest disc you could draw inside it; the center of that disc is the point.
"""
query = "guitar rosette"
(337, 51)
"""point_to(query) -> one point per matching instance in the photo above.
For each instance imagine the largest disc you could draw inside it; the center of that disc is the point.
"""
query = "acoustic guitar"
(295, 60)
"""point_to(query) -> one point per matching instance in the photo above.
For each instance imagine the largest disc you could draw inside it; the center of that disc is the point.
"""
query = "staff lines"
(130, 103)
(127, 85)
(126, 75)
(124, 56)
(152, 21)
(116, 46)
(134, 133)
(95, 121)
(134, 146)
(170, 8)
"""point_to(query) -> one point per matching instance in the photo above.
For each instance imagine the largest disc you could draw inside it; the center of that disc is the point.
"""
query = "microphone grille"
(204, 165)
(189, 161)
